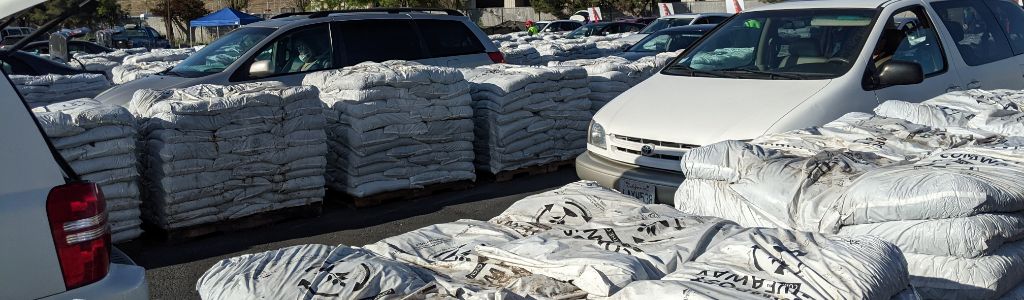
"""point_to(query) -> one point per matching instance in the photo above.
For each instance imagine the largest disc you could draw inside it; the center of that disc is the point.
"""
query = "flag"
(734, 6)
(595, 14)
(667, 9)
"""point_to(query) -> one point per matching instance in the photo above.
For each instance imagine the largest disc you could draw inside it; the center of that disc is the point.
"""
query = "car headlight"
(596, 136)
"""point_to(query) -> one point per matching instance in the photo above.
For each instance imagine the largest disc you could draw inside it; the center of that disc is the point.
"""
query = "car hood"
(633, 38)
(122, 94)
(700, 110)
(635, 55)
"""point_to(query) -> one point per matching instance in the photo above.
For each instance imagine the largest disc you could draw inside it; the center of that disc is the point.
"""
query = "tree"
(179, 13)
(107, 12)
(635, 8)
(236, 4)
(301, 5)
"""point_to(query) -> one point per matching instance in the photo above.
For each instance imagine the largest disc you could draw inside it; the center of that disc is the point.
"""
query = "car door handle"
(953, 88)
(974, 85)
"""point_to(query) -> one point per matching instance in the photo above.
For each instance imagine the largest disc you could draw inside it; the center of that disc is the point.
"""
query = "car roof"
(298, 20)
(680, 16)
(692, 28)
(805, 4)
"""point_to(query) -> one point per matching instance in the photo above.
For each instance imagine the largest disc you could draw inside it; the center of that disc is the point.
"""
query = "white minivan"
(798, 64)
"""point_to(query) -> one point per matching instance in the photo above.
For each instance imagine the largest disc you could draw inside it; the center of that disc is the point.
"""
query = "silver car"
(288, 46)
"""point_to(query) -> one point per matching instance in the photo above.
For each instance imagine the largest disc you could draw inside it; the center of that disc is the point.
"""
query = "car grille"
(660, 144)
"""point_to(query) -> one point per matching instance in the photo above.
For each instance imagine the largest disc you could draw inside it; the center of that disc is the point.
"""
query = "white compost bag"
(986, 277)
(277, 274)
(779, 264)
(968, 237)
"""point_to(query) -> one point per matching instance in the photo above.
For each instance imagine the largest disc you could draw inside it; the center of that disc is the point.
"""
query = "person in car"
(311, 56)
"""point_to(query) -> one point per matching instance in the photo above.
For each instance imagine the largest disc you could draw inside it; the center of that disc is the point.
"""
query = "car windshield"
(784, 44)
(660, 24)
(584, 31)
(133, 33)
(220, 54)
(666, 41)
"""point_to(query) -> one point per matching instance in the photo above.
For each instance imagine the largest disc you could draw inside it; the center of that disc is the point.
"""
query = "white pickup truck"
(53, 226)
(794, 65)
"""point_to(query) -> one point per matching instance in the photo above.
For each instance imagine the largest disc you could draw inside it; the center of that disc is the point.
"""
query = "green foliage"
(107, 12)
(563, 8)
(341, 4)
(179, 13)
(236, 4)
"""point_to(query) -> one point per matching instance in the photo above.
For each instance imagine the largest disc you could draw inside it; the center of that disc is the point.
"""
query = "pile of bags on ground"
(526, 115)
(102, 61)
(98, 141)
(144, 64)
(579, 241)
(942, 179)
(52, 88)
(214, 153)
(396, 125)
(610, 76)
(542, 49)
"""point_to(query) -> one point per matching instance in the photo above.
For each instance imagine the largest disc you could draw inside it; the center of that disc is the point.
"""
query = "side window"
(379, 40)
(632, 28)
(978, 37)
(303, 50)
(715, 19)
(701, 21)
(1011, 20)
(449, 38)
(15, 67)
(909, 36)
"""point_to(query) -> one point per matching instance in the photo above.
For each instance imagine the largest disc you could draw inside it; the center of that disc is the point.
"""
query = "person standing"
(531, 28)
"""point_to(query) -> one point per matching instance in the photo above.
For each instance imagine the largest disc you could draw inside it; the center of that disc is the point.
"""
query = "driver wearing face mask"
(310, 57)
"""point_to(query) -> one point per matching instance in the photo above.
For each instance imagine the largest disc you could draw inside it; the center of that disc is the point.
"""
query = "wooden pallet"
(248, 222)
(403, 195)
(509, 175)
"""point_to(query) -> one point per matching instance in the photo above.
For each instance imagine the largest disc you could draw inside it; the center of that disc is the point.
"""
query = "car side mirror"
(260, 68)
(894, 73)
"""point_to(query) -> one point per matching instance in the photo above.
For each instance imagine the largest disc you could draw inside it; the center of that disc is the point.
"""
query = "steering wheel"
(842, 60)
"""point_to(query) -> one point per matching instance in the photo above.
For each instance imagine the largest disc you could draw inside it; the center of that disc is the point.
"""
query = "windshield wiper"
(695, 72)
(770, 75)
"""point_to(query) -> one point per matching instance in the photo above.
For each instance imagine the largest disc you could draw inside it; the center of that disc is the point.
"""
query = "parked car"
(667, 40)
(601, 29)
(676, 20)
(793, 65)
(559, 26)
(24, 63)
(73, 46)
(139, 36)
(53, 224)
(645, 20)
(287, 47)
(12, 34)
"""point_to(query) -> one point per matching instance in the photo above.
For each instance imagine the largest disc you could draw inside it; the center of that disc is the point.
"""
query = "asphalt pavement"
(172, 269)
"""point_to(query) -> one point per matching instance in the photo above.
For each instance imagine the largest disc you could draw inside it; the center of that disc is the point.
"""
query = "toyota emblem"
(647, 150)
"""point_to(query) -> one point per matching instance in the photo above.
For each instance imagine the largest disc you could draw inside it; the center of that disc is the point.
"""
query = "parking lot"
(841, 149)
(172, 269)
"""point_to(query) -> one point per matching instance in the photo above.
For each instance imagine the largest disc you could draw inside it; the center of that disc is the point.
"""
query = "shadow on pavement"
(151, 253)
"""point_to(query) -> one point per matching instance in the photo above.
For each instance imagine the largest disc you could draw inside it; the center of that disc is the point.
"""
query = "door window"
(449, 38)
(910, 37)
(304, 50)
(975, 31)
(1010, 17)
(379, 40)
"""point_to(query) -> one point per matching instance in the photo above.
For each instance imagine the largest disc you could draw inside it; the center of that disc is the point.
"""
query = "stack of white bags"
(579, 241)
(214, 153)
(396, 125)
(98, 141)
(522, 55)
(610, 76)
(527, 116)
(51, 88)
(144, 64)
(102, 61)
(943, 180)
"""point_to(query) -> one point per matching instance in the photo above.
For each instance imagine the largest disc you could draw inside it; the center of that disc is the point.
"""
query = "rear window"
(379, 40)
(449, 38)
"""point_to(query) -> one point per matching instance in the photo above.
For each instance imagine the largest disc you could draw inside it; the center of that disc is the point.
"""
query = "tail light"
(497, 57)
(78, 222)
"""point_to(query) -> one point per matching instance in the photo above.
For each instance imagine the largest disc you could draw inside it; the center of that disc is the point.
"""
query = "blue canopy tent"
(224, 17)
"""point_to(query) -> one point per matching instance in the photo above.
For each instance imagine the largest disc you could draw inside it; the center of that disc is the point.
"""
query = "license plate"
(643, 191)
